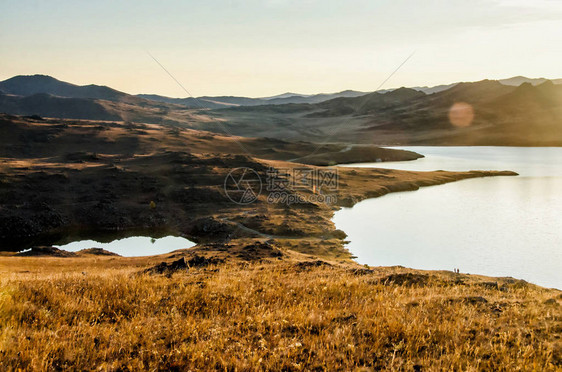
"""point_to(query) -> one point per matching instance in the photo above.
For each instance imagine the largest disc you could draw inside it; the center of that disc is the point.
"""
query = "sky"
(262, 48)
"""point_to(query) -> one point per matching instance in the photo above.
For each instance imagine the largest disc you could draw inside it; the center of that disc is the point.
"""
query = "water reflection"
(498, 226)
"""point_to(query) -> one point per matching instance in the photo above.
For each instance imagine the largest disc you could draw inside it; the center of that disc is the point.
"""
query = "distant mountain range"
(286, 98)
(496, 114)
(518, 80)
(228, 101)
(517, 111)
(29, 85)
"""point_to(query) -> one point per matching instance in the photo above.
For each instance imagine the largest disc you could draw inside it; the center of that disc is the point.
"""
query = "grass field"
(92, 313)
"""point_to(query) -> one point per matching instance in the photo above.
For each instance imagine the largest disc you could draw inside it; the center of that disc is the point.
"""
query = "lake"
(133, 246)
(497, 226)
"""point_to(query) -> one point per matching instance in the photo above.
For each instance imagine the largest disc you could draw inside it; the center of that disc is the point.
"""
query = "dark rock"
(516, 283)
(407, 279)
(306, 265)
(168, 268)
(183, 265)
(551, 301)
(360, 272)
(490, 285)
(200, 261)
(474, 300)
(258, 251)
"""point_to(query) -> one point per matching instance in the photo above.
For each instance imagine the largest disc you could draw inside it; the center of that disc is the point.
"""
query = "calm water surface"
(133, 246)
(498, 226)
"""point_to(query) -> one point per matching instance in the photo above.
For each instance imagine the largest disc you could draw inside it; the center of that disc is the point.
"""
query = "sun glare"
(461, 114)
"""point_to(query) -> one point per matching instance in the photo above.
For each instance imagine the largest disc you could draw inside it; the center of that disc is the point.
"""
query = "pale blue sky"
(258, 48)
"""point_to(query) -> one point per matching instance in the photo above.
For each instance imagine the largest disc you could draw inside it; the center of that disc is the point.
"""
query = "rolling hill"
(52, 106)
(501, 113)
(38, 84)
(46, 96)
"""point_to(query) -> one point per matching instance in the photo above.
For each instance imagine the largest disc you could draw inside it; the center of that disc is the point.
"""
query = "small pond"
(132, 246)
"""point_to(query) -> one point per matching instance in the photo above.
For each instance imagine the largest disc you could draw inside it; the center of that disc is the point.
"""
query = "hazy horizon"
(260, 49)
(287, 92)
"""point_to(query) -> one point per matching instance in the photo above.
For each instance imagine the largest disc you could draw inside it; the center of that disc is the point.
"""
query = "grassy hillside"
(288, 313)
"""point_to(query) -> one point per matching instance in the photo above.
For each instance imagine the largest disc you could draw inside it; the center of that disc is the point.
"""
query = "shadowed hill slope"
(35, 84)
(496, 114)
(57, 176)
(53, 106)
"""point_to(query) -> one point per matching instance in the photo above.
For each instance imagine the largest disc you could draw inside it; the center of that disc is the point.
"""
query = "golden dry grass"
(271, 316)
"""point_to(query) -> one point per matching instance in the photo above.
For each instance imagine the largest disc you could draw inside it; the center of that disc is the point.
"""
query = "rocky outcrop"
(46, 251)
(183, 264)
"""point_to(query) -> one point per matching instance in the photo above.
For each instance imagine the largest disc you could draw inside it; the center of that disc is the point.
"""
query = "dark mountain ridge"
(213, 102)
(43, 104)
(35, 84)
(500, 114)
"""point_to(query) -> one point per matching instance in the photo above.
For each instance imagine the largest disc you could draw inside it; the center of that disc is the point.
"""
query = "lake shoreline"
(539, 175)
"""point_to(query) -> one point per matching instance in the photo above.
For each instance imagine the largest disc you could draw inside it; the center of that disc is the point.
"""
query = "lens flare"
(461, 114)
